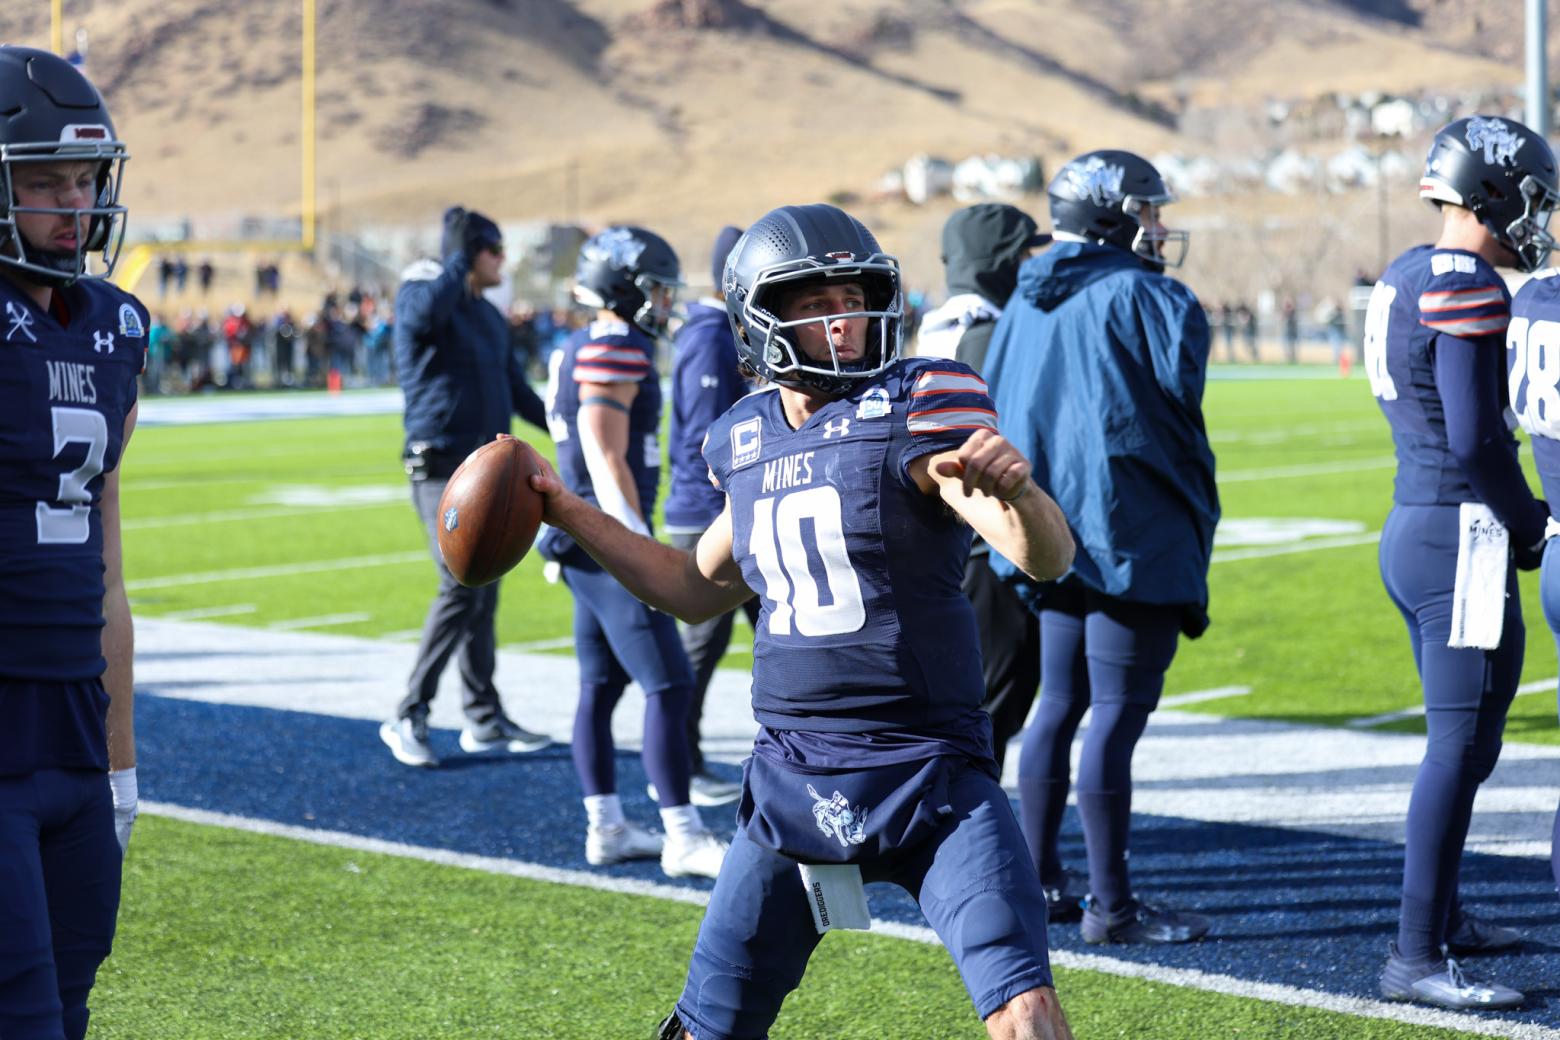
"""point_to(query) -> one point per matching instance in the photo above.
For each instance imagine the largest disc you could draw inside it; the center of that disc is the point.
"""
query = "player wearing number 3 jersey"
(71, 348)
(851, 487)
(1462, 519)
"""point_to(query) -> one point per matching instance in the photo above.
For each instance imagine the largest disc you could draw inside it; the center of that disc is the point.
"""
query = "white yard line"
(562, 642)
(1185, 978)
(224, 516)
(1197, 697)
(1537, 686)
(1310, 545)
(282, 570)
(322, 621)
(206, 613)
(1312, 469)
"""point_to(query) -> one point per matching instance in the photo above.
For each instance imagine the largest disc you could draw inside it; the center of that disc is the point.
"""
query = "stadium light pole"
(1538, 67)
(57, 27)
(307, 210)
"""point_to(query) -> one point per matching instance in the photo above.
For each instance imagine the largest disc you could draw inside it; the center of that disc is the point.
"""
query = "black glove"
(1529, 558)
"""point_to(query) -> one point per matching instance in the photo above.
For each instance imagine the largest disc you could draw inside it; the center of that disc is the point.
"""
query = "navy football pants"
(1110, 655)
(59, 893)
(618, 638)
(971, 877)
(1549, 596)
(1466, 692)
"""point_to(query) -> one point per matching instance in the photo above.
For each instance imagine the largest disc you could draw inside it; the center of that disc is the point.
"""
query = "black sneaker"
(1440, 982)
(1476, 935)
(1064, 902)
(1141, 923)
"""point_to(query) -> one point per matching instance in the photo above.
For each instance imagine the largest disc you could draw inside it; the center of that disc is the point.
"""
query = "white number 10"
(783, 560)
(73, 524)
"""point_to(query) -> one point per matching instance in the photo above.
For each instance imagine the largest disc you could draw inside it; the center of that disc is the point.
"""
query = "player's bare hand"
(990, 464)
(547, 484)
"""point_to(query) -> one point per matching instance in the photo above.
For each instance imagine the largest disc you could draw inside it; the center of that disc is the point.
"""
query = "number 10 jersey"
(65, 389)
(862, 624)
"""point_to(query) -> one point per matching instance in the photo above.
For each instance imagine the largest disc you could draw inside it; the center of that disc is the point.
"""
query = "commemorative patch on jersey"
(874, 404)
(746, 442)
(130, 322)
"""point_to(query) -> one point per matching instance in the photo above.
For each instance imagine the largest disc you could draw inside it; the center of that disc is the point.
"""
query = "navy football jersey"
(65, 390)
(1533, 367)
(862, 624)
(1426, 295)
(605, 352)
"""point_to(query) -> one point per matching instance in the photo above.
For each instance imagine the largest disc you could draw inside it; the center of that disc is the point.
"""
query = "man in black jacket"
(462, 384)
(982, 248)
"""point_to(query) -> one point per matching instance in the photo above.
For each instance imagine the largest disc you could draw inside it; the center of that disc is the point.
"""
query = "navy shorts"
(964, 861)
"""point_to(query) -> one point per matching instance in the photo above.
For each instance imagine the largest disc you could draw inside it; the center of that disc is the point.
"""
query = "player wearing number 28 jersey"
(850, 490)
(71, 348)
(1533, 366)
(1462, 520)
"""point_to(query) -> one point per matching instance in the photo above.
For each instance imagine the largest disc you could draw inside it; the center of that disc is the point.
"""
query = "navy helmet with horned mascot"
(51, 113)
(1502, 172)
(800, 244)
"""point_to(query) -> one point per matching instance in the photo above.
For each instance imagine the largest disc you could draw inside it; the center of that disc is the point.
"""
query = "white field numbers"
(72, 525)
(777, 541)
(1533, 356)
(1376, 315)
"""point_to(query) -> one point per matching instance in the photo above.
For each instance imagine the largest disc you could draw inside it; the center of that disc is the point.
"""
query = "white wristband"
(122, 782)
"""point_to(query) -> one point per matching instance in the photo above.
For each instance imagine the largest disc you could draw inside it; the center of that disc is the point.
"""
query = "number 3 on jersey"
(791, 534)
(73, 524)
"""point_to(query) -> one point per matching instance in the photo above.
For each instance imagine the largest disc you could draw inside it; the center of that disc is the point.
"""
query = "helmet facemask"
(1155, 246)
(1528, 236)
(104, 221)
(778, 346)
(653, 315)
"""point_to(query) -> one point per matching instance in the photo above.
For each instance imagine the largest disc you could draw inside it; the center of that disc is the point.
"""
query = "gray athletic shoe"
(1441, 982)
(502, 734)
(407, 740)
(1141, 923)
(1476, 935)
(705, 790)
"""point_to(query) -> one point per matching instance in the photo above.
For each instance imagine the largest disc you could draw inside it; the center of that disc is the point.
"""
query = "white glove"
(126, 801)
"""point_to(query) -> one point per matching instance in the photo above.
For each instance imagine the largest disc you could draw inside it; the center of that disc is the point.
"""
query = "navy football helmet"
(1504, 174)
(619, 270)
(49, 113)
(792, 246)
(1102, 196)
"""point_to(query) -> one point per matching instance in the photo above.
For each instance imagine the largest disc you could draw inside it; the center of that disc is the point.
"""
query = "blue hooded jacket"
(1097, 369)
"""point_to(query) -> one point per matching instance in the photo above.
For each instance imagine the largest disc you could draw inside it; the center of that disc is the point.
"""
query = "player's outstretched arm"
(986, 481)
(693, 586)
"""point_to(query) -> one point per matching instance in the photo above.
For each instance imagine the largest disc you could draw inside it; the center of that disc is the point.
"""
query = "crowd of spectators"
(345, 342)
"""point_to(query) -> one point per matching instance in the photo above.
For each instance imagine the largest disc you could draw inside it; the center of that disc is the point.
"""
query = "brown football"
(489, 512)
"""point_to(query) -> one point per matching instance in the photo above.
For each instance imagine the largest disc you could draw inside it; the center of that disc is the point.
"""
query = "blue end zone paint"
(1298, 908)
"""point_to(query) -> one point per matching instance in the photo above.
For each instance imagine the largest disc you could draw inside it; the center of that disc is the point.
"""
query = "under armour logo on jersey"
(103, 341)
(839, 819)
(1499, 142)
(836, 427)
(709, 382)
(451, 519)
(21, 322)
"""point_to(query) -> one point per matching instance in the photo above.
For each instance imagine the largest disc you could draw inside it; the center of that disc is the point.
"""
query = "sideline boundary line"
(1185, 978)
